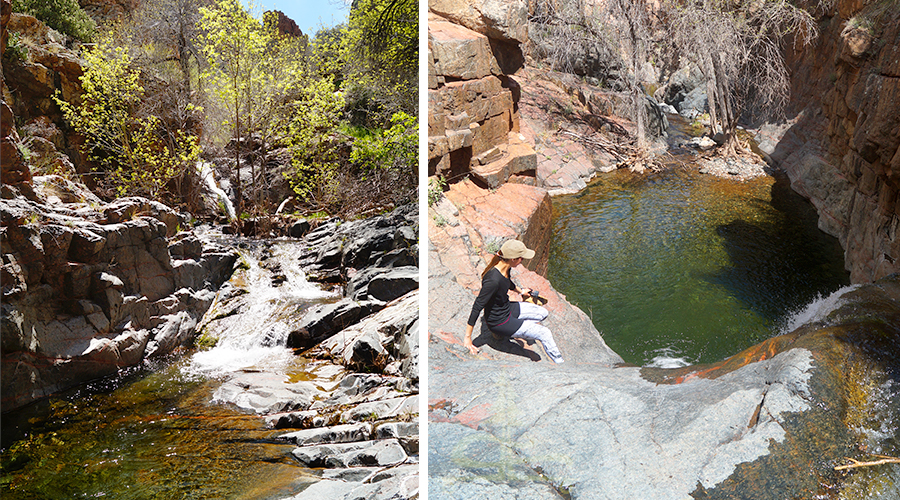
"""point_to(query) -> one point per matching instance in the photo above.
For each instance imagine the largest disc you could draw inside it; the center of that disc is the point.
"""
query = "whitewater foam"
(817, 310)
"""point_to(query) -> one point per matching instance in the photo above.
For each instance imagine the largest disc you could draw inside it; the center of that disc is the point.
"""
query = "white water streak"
(258, 337)
(817, 310)
(207, 174)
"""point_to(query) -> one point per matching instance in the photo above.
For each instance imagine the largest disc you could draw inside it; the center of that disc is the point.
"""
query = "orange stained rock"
(474, 415)
(759, 352)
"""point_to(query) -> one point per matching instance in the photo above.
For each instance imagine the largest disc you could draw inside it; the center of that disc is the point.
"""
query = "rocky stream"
(146, 357)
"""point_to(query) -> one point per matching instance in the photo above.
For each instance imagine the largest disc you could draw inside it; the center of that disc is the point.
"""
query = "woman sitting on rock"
(504, 318)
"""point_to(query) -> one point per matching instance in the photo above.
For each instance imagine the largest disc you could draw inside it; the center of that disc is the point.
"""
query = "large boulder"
(497, 19)
(87, 291)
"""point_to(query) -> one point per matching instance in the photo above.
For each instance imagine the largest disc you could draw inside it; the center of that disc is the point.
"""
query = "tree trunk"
(711, 100)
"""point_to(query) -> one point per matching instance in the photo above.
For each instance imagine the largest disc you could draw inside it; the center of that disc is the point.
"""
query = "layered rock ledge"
(841, 144)
(90, 288)
(351, 413)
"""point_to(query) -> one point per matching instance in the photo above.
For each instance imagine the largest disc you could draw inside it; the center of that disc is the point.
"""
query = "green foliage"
(492, 246)
(205, 341)
(396, 147)
(436, 187)
(311, 137)
(380, 55)
(232, 43)
(15, 50)
(134, 152)
(263, 79)
(65, 16)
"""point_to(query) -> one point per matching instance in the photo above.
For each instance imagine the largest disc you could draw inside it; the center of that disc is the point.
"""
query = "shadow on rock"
(504, 344)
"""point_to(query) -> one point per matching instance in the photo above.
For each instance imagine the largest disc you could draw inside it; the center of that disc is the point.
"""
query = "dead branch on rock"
(882, 459)
(626, 153)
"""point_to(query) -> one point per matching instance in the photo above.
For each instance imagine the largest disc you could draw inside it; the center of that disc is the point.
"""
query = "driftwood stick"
(882, 459)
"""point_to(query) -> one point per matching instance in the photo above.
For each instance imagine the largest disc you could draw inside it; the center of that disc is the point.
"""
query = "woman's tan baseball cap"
(513, 249)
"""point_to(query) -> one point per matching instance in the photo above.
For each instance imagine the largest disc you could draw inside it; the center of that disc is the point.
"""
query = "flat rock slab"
(603, 433)
(364, 453)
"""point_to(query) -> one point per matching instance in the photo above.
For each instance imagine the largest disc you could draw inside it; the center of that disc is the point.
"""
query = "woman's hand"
(467, 340)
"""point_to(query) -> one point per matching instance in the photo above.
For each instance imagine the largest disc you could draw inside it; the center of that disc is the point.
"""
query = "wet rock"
(367, 453)
(265, 393)
(338, 434)
(334, 410)
(96, 289)
(374, 338)
(325, 320)
(384, 284)
(299, 229)
(401, 407)
(334, 246)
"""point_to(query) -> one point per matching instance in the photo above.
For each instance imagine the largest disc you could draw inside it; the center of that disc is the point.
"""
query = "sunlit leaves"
(137, 157)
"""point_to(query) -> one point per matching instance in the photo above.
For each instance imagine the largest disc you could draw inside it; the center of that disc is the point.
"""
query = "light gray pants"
(532, 330)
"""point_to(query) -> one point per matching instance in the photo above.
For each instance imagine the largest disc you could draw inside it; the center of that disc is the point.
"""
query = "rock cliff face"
(91, 288)
(842, 148)
(473, 126)
(88, 288)
(28, 87)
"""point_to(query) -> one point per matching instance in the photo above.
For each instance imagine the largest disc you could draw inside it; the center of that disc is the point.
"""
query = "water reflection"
(688, 265)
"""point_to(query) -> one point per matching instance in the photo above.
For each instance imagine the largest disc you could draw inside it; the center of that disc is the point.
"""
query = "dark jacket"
(501, 315)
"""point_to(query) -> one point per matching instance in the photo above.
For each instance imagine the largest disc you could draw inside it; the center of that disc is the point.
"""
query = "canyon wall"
(473, 121)
(474, 140)
(841, 147)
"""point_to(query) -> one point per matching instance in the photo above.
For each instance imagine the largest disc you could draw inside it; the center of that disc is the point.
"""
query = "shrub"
(135, 152)
(65, 16)
(15, 50)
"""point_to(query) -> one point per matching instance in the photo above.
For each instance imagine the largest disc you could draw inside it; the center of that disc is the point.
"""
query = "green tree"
(133, 151)
(388, 159)
(232, 42)
(258, 73)
(381, 53)
(315, 111)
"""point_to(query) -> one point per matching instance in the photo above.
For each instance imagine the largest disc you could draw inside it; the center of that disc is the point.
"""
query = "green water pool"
(149, 435)
(682, 268)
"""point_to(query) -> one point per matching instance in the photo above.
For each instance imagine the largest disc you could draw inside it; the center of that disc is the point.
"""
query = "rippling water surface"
(156, 431)
(681, 268)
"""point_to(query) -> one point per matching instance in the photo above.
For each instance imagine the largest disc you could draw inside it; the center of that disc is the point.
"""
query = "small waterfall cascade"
(208, 175)
(817, 310)
(273, 295)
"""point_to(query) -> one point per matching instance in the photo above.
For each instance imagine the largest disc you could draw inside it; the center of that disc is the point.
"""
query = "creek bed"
(158, 430)
(679, 268)
(151, 434)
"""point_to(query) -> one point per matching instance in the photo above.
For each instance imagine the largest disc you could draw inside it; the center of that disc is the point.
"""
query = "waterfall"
(266, 307)
(208, 175)
(817, 310)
